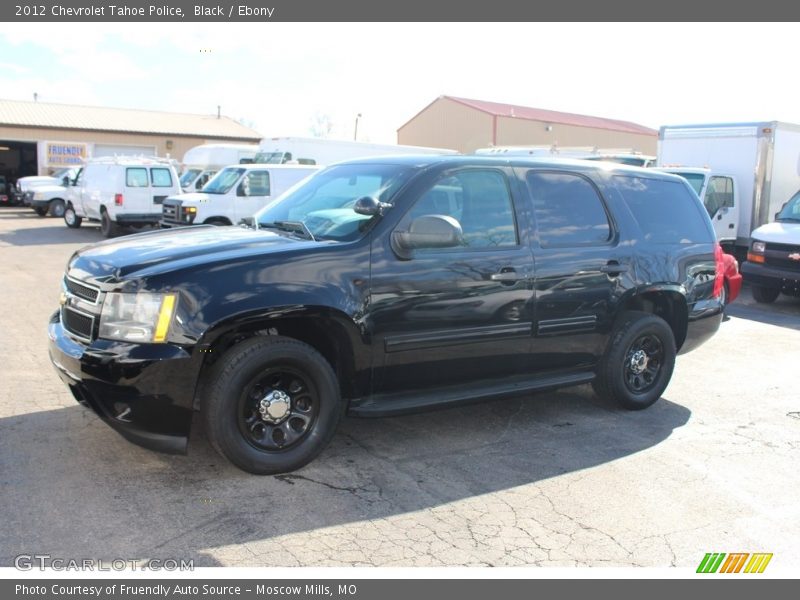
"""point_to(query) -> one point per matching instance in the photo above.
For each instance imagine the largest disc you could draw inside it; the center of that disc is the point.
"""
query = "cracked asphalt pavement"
(552, 479)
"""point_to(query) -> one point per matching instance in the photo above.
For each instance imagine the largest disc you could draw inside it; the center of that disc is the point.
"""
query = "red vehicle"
(733, 280)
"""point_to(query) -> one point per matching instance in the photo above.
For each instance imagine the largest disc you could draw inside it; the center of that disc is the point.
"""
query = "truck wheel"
(40, 210)
(638, 363)
(765, 295)
(272, 405)
(72, 220)
(107, 227)
(57, 208)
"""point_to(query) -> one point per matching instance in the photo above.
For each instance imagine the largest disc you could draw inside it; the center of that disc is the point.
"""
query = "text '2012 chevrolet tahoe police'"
(390, 285)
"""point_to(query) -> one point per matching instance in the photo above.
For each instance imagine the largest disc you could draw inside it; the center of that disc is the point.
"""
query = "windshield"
(695, 180)
(791, 210)
(270, 158)
(323, 204)
(189, 176)
(223, 181)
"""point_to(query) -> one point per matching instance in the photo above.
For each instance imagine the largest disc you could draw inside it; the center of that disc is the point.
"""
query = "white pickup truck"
(237, 192)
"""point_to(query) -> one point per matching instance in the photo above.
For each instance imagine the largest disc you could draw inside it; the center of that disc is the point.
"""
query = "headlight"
(759, 247)
(137, 317)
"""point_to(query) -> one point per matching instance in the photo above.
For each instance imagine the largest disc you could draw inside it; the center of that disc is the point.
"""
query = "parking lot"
(555, 479)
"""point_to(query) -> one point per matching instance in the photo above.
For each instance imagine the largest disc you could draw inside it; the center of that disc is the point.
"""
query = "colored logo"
(737, 562)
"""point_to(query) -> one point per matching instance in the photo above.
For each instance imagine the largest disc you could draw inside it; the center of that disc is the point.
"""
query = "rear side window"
(136, 177)
(161, 177)
(257, 183)
(666, 211)
(568, 209)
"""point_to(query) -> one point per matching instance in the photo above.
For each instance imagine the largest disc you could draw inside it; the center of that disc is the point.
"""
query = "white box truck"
(744, 172)
(202, 162)
(320, 151)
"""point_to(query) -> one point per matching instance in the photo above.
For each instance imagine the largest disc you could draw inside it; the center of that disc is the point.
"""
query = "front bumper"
(137, 219)
(144, 391)
(786, 280)
(39, 203)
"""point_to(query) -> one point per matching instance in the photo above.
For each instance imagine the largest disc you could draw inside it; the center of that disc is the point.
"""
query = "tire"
(72, 220)
(765, 295)
(56, 208)
(107, 227)
(40, 210)
(638, 362)
(243, 385)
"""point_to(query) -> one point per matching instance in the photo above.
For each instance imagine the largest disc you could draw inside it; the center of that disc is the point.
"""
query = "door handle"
(730, 226)
(613, 268)
(508, 276)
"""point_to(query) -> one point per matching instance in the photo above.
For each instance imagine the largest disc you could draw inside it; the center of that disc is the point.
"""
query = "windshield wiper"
(297, 227)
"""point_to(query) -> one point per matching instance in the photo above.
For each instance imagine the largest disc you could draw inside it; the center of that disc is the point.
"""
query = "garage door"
(113, 150)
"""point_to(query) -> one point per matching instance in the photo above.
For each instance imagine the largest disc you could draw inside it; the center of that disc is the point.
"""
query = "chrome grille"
(81, 290)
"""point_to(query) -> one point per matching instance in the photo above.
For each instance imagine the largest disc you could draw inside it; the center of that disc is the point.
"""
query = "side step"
(382, 405)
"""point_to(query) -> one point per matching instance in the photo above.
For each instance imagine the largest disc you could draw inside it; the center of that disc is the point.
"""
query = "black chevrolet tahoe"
(385, 286)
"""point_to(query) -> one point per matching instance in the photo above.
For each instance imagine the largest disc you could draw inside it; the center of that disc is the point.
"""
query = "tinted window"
(479, 201)
(666, 211)
(161, 177)
(568, 209)
(136, 177)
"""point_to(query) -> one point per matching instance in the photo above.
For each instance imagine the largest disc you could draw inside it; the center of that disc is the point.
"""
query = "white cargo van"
(237, 192)
(756, 167)
(120, 192)
(319, 151)
(202, 162)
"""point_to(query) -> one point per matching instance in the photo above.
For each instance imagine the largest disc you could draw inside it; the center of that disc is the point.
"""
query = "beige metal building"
(39, 138)
(466, 125)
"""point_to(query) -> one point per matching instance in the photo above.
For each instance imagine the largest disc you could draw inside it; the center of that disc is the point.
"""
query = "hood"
(189, 198)
(156, 252)
(37, 181)
(48, 189)
(778, 233)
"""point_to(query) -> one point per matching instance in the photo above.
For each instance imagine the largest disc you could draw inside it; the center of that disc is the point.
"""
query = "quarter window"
(479, 200)
(161, 177)
(568, 209)
(257, 183)
(136, 177)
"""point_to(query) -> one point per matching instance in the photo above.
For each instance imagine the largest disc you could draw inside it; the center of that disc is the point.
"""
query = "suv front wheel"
(272, 404)
(638, 362)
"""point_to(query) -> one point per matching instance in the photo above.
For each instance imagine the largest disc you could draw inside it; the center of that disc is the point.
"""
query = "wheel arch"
(667, 302)
(329, 331)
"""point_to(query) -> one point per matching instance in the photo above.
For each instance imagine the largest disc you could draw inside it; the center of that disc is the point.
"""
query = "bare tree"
(321, 125)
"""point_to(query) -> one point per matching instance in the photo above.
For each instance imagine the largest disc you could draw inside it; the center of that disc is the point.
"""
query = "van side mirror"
(427, 231)
(369, 206)
(65, 181)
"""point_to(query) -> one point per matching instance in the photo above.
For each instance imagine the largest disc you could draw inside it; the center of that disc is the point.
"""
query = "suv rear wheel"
(638, 363)
(272, 405)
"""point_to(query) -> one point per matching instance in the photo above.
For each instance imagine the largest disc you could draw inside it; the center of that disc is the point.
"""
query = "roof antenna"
(219, 111)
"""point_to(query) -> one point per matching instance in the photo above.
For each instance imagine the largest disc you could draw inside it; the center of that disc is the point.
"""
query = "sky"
(282, 78)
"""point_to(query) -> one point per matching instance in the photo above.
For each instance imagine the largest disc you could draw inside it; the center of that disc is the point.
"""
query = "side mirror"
(369, 206)
(65, 181)
(427, 231)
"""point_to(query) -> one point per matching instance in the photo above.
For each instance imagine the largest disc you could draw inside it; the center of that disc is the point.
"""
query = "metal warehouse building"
(466, 125)
(38, 137)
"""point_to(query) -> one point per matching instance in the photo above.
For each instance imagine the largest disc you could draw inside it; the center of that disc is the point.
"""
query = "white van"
(237, 192)
(120, 192)
(202, 162)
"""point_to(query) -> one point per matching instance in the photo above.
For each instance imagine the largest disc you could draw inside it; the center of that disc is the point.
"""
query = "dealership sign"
(65, 154)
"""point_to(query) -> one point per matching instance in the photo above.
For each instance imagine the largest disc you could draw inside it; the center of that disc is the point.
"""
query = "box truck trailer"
(744, 172)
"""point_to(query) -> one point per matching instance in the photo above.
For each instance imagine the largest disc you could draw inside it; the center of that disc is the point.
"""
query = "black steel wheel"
(638, 362)
(271, 404)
